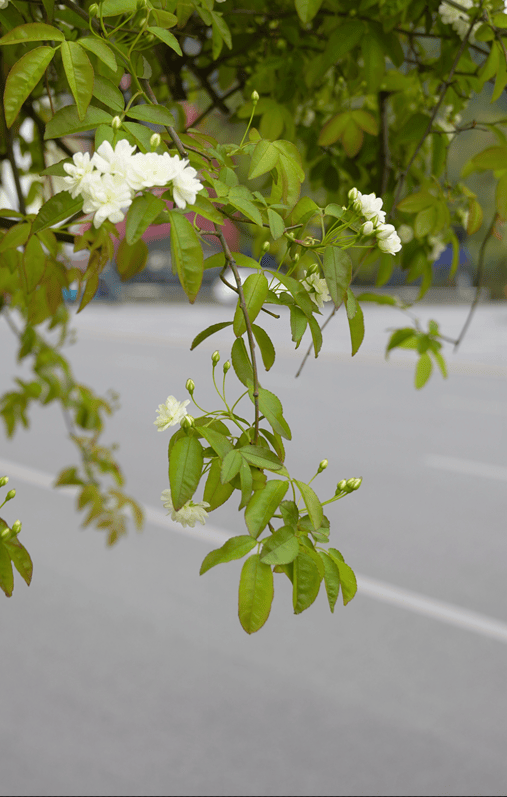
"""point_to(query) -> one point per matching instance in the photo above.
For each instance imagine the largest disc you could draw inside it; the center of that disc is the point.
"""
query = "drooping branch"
(480, 277)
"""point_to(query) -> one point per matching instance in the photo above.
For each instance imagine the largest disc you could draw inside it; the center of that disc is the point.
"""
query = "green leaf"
(416, 202)
(230, 466)
(347, 578)
(141, 214)
(271, 407)
(67, 121)
(281, 548)
(79, 73)
(263, 458)
(290, 513)
(186, 254)
(265, 345)
(312, 503)
(333, 129)
(299, 294)
(154, 114)
(306, 581)
(423, 370)
(441, 363)
(241, 362)
(255, 290)
(352, 138)
(216, 493)
(99, 48)
(185, 468)
(167, 38)
(91, 287)
(298, 324)
(377, 298)
(366, 121)
(59, 207)
(425, 222)
(111, 8)
(131, 258)
(20, 559)
(203, 207)
(246, 207)
(337, 267)
(219, 442)
(356, 326)
(399, 337)
(475, 217)
(331, 579)
(105, 91)
(255, 594)
(264, 158)
(23, 78)
(235, 548)
(246, 481)
(34, 261)
(307, 9)
(16, 236)
(374, 62)
(206, 333)
(263, 505)
(276, 224)
(6, 574)
(33, 32)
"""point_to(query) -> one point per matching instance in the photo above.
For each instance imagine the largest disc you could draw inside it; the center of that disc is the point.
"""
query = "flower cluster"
(109, 180)
(459, 20)
(370, 207)
(189, 513)
(316, 287)
(170, 413)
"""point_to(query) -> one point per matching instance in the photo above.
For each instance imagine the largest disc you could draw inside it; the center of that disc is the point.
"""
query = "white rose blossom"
(109, 180)
(4, 3)
(459, 20)
(317, 289)
(170, 413)
(388, 239)
(189, 513)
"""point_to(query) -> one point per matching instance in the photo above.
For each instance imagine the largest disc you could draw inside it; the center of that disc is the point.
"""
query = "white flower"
(459, 20)
(154, 169)
(189, 513)
(106, 195)
(170, 413)
(370, 207)
(4, 3)
(317, 289)
(120, 162)
(438, 246)
(405, 233)
(388, 239)
(78, 172)
(367, 228)
(185, 186)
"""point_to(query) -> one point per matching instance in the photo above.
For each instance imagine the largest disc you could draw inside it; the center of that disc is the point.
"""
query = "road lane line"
(378, 590)
(467, 466)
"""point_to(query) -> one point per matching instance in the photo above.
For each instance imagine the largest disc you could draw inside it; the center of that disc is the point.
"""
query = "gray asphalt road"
(124, 672)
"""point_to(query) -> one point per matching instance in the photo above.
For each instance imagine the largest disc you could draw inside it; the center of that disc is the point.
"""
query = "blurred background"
(126, 673)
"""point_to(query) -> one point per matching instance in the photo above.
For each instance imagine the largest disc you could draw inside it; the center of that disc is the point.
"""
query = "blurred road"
(125, 673)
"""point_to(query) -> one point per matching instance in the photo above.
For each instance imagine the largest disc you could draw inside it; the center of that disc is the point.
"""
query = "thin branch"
(251, 340)
(480, 276)
(172, 132)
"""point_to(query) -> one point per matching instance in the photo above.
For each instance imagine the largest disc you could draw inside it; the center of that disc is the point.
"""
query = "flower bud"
(296, 257)
(155, 141)
(227, 365)
(3, 481)
(367, 228)
(93, 11)
(16, 526)
(187, 422)
(323, 465)
(313, 269)
(353, 484)
(116, 123)
(357, 483)
(215, 357)
(255, 97)
(10, 495)
(265, 246)
(190, 386)
(353, 194)
(341, 487)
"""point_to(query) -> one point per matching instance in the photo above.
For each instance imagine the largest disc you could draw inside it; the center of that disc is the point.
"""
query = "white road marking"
(378, 590)
(467, 466)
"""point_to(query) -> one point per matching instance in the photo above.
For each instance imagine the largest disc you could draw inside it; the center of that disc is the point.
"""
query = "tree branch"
(480, 276)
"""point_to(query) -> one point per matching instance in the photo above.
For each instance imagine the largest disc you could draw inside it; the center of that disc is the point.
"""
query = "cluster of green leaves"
(229, 461)
(53, 381)
(12, 552)
(427, 344)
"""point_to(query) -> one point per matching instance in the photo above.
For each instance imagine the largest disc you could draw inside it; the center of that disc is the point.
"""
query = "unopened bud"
(155, 141)
(367, 228)
(10, 495)
(16, 526)
(255, 97)
(353, 484)
(93, 11)
(341, 486)
(187, 422)
(3, 481)
(357, 483)
(227, 365)
(353, 194)
(296, 257)
(313, 269)
(265, 246)
(190, 386)
(215, 357)
(116, 123)
(323, 465)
